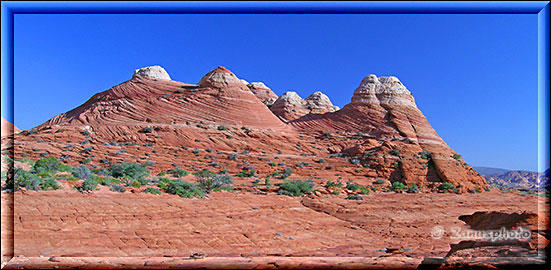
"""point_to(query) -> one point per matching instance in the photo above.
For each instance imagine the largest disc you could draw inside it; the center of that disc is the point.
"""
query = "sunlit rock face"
(291, 106)
(152, 72)
(263, 92)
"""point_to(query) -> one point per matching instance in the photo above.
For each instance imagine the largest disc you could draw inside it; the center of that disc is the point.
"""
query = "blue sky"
(473, 76)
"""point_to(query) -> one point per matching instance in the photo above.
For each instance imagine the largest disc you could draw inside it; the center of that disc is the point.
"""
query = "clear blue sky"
(473, 76)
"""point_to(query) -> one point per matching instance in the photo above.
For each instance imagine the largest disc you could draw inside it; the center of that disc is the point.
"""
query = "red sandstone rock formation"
(410, 151)
(291, 106)
(8, 128)
(263, 92)
(381, 133)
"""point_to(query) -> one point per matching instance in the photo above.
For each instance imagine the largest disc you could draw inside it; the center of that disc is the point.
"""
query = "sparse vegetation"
(394, 152)
(184, 189)
(152, 191)
(398, 186)
(356, 197)
(295, 188)
(330, 183)
(178, 172)
(129, 170)
(88, 185)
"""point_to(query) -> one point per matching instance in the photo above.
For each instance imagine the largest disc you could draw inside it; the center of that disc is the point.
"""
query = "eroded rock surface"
(152, 72)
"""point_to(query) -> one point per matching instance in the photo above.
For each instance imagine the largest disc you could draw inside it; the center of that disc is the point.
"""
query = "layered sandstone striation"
(380, 134)
(393, 136)
(263, 92)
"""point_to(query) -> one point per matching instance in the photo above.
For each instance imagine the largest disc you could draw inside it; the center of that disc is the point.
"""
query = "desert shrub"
(356, 197)
(456, 156)
(195, 151)
(355, 161)
(48, 183)
(209, 181)
(330, 183)
(364, 190)
(273, 164)
(184, 189)
(81, 172)
(24, 179)
(85, 132)
(221, 128)
(394, 152)
(352, 186)
(88, 185)
(398, 186)
(379, 182)
(32, 131)
(178, 172)
(425, 154)
(303, 164)
(148, 163)
(295, 188)
(147, 130)
(329, 167)
(286, 173)
(129, 170)
(117, 188)
(446, 186)
(152, 191)
(49, 164)
(413, 188)
(86, 161)
(321, 161)
(247, 173)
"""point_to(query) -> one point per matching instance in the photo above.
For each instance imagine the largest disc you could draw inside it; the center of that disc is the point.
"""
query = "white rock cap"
(153, 72)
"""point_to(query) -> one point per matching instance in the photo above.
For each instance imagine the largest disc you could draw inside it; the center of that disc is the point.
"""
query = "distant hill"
(514, 179)
(486, 171)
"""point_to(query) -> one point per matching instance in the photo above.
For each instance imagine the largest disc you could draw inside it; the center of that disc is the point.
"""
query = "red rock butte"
(380, 134)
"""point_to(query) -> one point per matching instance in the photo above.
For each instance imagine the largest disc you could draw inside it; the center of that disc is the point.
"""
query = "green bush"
(82, 172)
(364, 190)
(49, 183)
(446, 186)
(398, 186)
(330, 183)
(413, 188)
(88, 185)
(24, 179)
(456, 156)
(394, 152)
(152, 191)
(246, 173)
(379, 181)
(352, 186)
(209, 181)
(49, 164)
(295, 188)
(184, 189)
(147, 130)
(129, 170)
(117, 188)
(178, 172)
(354, 197)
